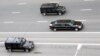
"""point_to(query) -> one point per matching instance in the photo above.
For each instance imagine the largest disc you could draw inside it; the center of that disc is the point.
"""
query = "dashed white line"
(86, 9)
(15, 12)
(23, 3)
(7, 22)
(78, 48)
(54, 2)
(80, 20)
(41, 21)
(89, 0)
(79, 44)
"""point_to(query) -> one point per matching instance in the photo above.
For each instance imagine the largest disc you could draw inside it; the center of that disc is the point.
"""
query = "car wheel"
(32, 46)
(44, 14)
(76, 29)
(27, 50)
(54, 29)
(9, 50)
(59, 13)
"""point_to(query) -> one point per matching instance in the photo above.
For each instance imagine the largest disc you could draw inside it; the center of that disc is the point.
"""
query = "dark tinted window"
(57, 24)
(60, 25)
(63, 21)
(67, 25)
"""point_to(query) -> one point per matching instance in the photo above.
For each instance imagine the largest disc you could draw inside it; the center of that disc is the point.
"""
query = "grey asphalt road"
(66, 44)
(44, 50)
(55, 37)
(55, 50)
(24, 15)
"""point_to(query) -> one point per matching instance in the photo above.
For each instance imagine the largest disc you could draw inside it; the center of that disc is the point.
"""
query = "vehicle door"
(15, 46)
(48, 10)
(60, 26)
(54, 10)
(68, 26)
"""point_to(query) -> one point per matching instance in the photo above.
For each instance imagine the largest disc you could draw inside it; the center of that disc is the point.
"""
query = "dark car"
(52, 8)
(66, 25)
(18, 43)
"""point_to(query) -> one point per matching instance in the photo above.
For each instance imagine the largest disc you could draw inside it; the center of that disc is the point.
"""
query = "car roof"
(46, 5)
(13, 40)
(64, 21)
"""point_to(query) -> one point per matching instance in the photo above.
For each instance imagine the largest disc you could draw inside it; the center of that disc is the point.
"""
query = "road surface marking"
(89, 0)
(15, 12)
(85, 9)
(54, 2)
(50, 32)
(79, 44)
(23, 3)
(41, 21)
(7, 22)
(80, 20)
(1, 43)
(78, 48)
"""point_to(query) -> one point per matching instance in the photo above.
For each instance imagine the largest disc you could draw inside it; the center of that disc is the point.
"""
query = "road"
(56, 44)
(54, 37)
(24, 15)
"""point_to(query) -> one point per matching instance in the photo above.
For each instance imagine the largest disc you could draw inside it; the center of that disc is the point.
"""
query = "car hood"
(28, 43)
(77, 23)
(61, 8)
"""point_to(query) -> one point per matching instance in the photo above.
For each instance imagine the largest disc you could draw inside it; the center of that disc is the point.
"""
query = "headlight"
(63, 10)
(76, 25)
(79, 26)
(50, 25)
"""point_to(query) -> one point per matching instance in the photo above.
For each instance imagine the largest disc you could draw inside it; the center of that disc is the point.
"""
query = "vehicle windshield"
(72, 21)
(57, 5)
(23, 41)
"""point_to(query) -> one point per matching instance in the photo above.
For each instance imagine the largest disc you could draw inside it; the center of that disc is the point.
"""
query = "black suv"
(18, 43)
(66, 25)
(51, 8)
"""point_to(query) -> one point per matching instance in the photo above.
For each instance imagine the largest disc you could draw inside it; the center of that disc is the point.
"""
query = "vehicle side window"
(67, 24)
(53, 9)
(22, 41)
(58, 25)
(48, 10)
(15, 45)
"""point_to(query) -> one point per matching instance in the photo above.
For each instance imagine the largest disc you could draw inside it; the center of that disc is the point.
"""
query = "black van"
(18, 43)
(52, 8)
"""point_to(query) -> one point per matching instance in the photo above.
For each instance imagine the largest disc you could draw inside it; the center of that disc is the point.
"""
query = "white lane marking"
(6, 22)
(51, 33)
(78, 48)
(1, 43)
(22, 3)
(54, 2)
(89, 0)
(80, 20)
(86, 9)
(15, 12)
(79, 44)
(41, 21)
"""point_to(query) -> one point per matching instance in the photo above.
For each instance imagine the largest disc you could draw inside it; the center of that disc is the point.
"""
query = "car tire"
(54, 29)
(32, 45)
(10, 50)
(44, 14)
(59, 13)
(76, 29)
(27, 50)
